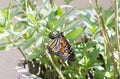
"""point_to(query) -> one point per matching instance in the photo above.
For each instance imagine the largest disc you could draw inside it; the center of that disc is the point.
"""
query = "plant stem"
(116, 26)
(117, 30)
(55, 67)
(22, 53)
(110, 47)
(102, 30)
(116, 23)
(108, 40)
(105, 34)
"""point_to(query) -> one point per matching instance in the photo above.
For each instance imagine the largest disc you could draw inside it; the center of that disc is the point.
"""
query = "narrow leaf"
(73, 25)
(28, 43)
(74, 34)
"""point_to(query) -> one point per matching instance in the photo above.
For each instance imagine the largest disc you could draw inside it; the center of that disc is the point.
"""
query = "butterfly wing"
(66, 50)
(61, 47)
(54, 46)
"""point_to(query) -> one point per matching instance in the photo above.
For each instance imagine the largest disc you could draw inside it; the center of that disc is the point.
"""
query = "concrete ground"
(8, 62)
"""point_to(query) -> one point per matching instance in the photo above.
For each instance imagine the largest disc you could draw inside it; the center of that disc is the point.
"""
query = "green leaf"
(6, 46)
(110, 19)
(72, 25)
(3, 35)
(59, 11)
(15, 12)
(31, 40)
(51, 17)
(28, 43)
(33, 55)
(73, 35)
(91, 44)
(2, 48)
(100, 75)
(67, 1)
(32, 18)
(1, 29)
(67, 13)
(60, 23)
(2, 16)
(18, 44)
(2, 13)
(92, 56)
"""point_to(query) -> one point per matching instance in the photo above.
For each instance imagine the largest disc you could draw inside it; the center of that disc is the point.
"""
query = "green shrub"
(92, 35)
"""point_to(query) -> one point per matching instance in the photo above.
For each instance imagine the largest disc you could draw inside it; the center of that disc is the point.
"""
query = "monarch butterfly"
(60, 46)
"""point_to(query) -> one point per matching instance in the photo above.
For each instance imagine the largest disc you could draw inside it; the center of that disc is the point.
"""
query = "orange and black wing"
(55, 46)
(61, 47)
(66, 50)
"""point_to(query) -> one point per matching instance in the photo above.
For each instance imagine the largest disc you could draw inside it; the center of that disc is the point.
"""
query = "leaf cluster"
(26, 26)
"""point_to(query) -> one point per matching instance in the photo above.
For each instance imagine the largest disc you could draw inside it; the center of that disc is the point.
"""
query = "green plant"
(26, 26)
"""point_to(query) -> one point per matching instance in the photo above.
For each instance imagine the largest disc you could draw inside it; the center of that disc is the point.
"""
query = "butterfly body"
(60, 47)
